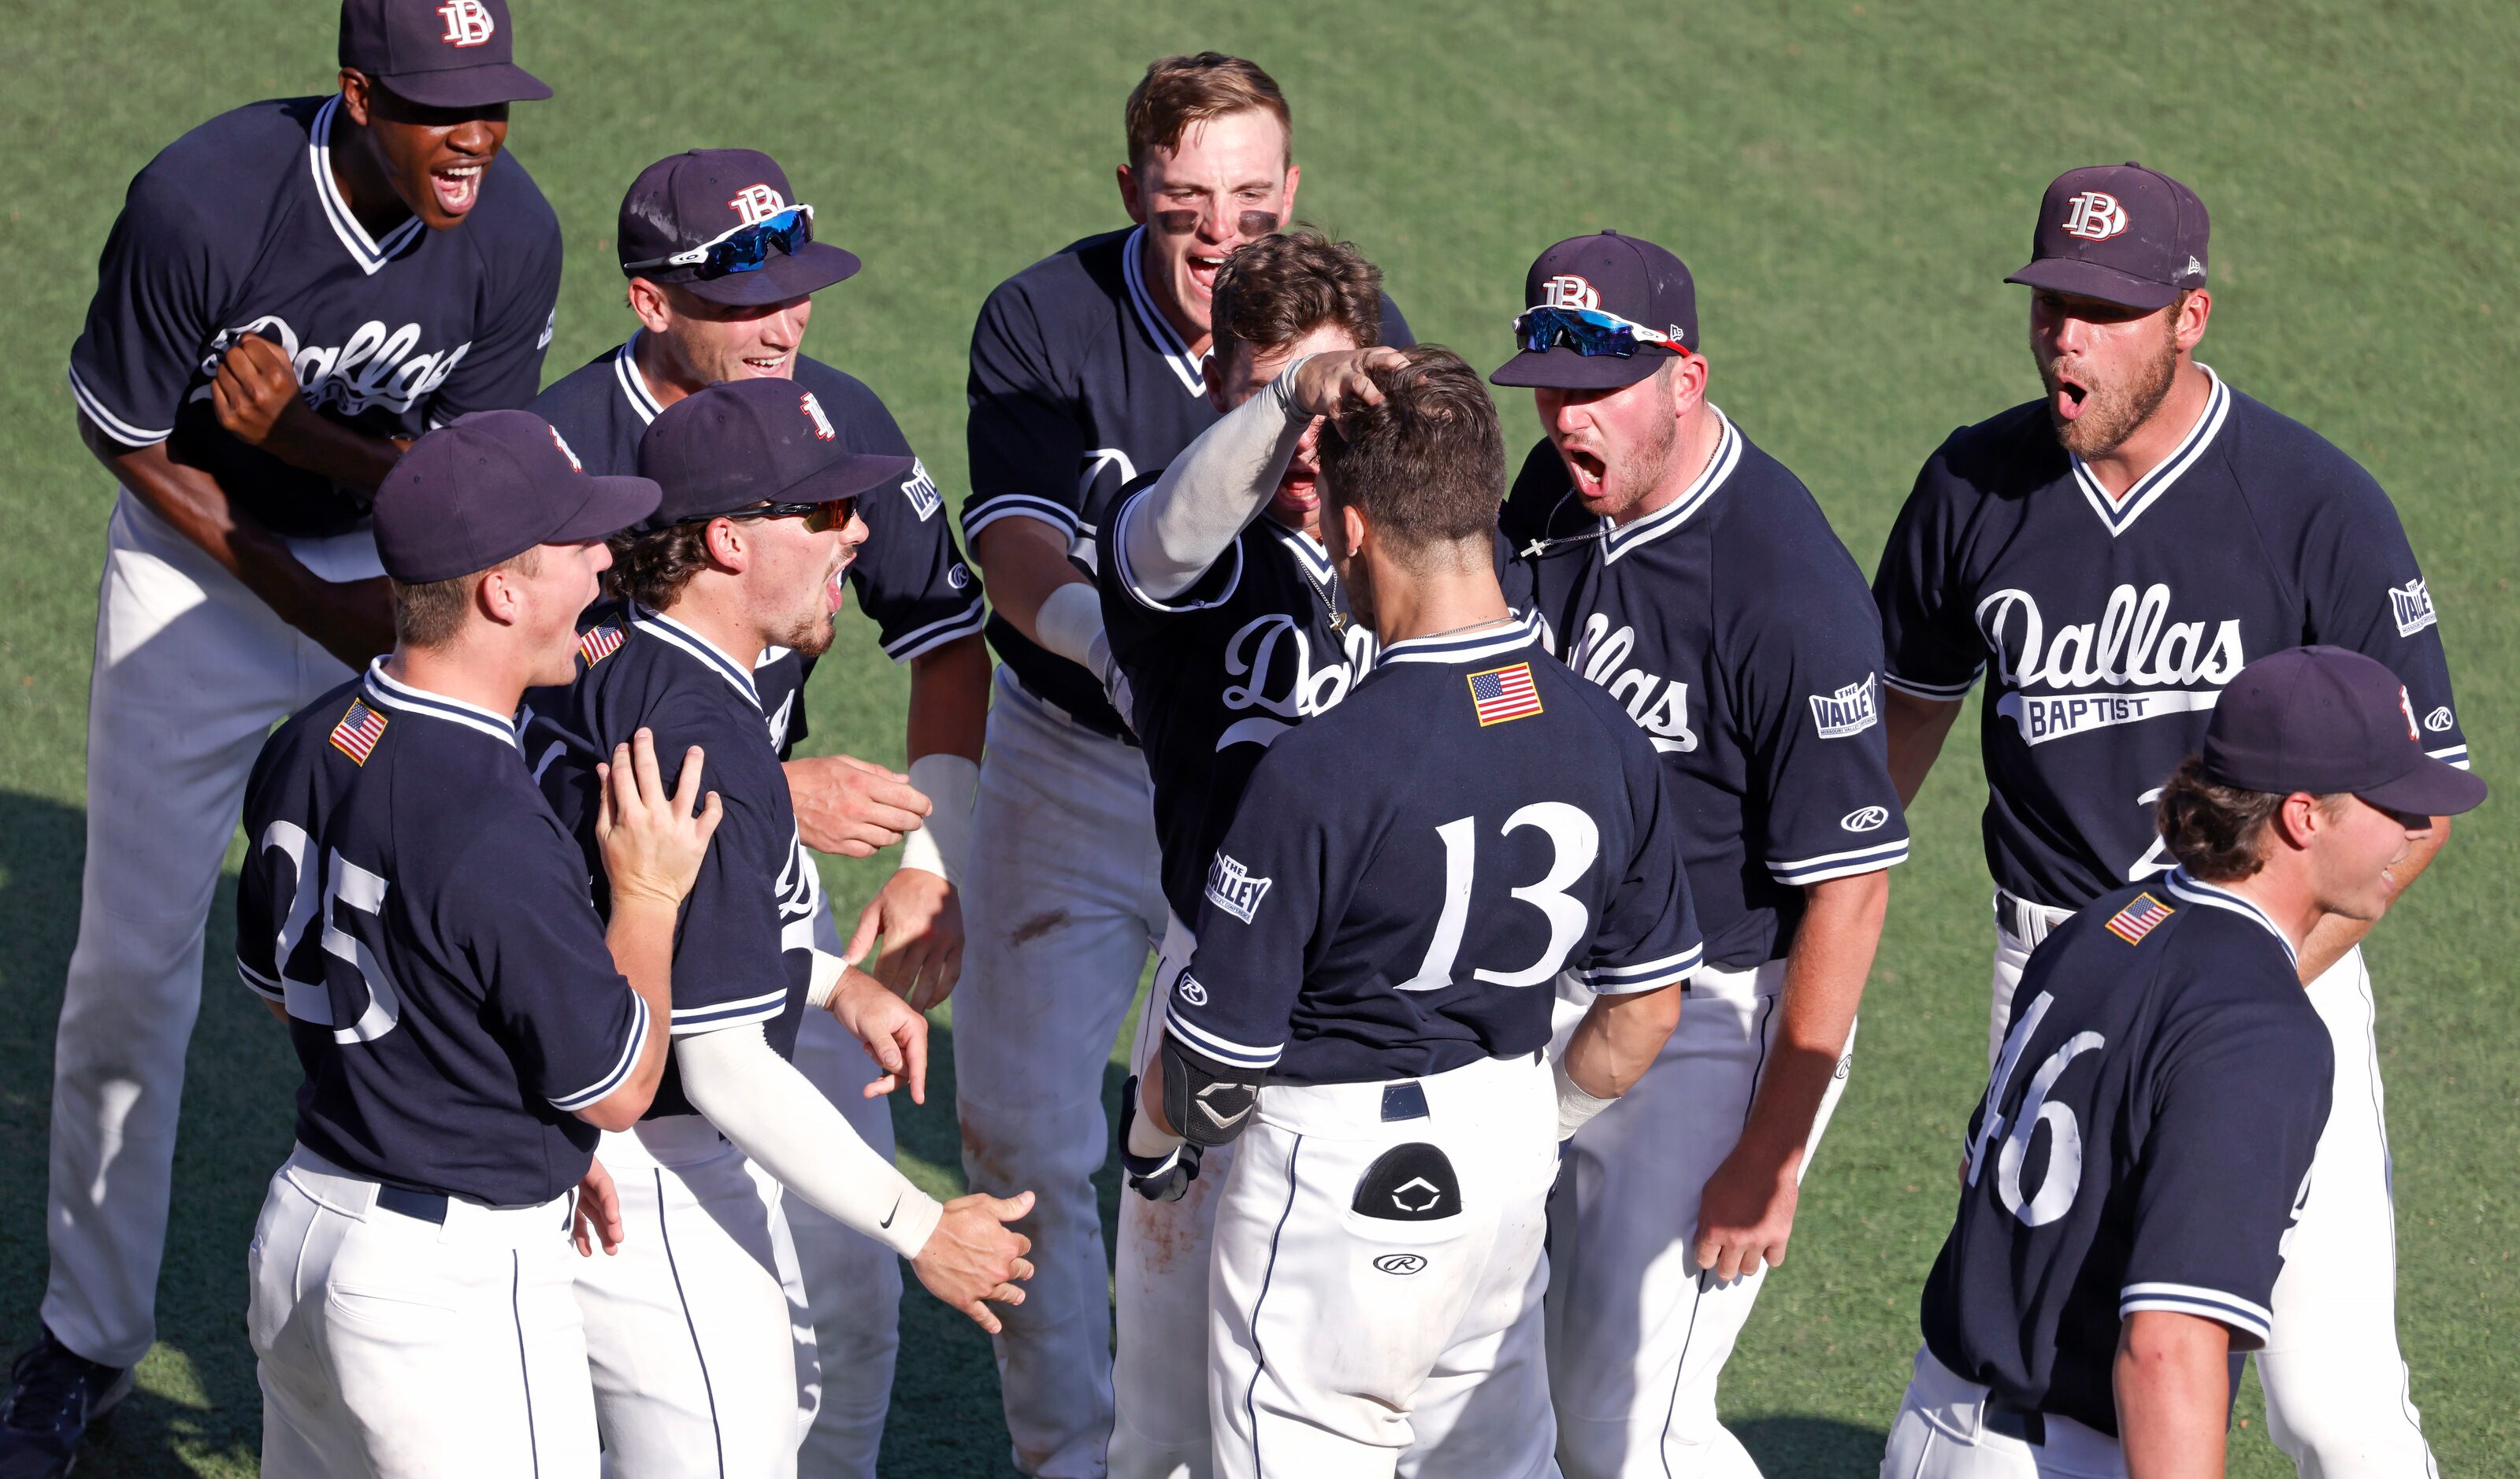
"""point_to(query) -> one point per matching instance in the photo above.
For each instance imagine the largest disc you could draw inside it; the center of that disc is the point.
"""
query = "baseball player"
(737, 311)
(1229, 626)
(2113, 554)
(417, 916)
(292, 291)
(1692, 577)
(2140, 1166)
(1367, 1008)
(689, 1330)
(1087, 368)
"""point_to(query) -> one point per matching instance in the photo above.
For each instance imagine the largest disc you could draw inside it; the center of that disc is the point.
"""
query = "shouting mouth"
(1203, 268)
(1587, 468)
(2066, 395)
(456, 186)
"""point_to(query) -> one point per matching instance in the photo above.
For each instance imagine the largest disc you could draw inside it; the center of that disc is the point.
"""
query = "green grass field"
(1849, 181)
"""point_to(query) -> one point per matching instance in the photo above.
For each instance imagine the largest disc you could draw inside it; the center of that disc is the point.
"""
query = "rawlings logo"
(2439, 720)
(2095, 216)
(469, 22)
(1402, 1264)
(757, 204)
(1865, 818)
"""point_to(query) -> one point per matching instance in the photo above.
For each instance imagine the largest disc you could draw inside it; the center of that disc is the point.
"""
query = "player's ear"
(2194, 309)
(1127, 179)
(355, 96)
(727, 547)
(649, 302)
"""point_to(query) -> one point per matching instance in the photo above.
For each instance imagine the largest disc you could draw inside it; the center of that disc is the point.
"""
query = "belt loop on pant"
(2025, 921)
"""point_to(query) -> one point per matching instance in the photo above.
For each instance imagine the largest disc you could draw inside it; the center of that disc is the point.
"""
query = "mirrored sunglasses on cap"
(830, 513)
(1589, 332)
(740, 249)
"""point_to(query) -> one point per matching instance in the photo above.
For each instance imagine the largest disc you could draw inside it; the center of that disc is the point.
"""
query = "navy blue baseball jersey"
(1261, 641)
(744, 949)
(1410, 871)
(909, 576)
(1734, 629)
(412, 902)
(2144, 1143)
(1078, 385)
(238, 228)
(2112, 624)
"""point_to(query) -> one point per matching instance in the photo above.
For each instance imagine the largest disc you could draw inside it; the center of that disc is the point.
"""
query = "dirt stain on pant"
(1038, 926)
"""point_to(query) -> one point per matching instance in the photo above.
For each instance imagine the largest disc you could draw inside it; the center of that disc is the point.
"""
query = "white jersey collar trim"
(403, 697)
(2119, 515)
(1727, 456)
(634, 386)
(1466, 647)
(674, 633)
(1303, 547)
(2195, 891)
(1191, 370)
(370, 253)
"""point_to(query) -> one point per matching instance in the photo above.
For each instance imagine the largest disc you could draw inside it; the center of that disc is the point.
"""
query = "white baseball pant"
(696, 1331)
(1159, 1428)
(2339, 1400)
(852, 1282)
(1638, 1332)
(1941, 1433)
(1349, 1345)
(191, 671)
(389, 1347)
(1063, 893)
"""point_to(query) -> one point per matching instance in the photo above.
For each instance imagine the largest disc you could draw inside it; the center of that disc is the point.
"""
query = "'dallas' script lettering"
(377, 367)
(2133, 663)
(1269, 665)
(1659, 705)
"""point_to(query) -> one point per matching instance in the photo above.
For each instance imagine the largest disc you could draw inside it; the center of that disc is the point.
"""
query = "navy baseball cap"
(437, 53)
(2326, 719)
(738, 443)
(2119, 233)
(686, 201)
(489, 486)
(1622, 275)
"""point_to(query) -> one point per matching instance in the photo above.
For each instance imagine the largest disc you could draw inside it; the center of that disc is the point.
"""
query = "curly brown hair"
(651, 569)
(1426, 467)
(2218, 832)
(1284, 286)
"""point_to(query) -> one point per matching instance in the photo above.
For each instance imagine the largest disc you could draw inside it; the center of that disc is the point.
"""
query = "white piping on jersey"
(569, 1103)
(1224, 1049)
(1618, 541)
(1840, 865)
(634, 386)
(667, 630)
(2195, 1299)
(1646, 976)
(1953, 691)
(2456, 756)
(1191, 370)
(370, 253)
(417, 701)
(1487, 641)
(1306, 549)
(716, 1014)
(107, 421)
(2120, 514)
(1176, 605)
(2196, 892)
(1049, 511)
(918, 642)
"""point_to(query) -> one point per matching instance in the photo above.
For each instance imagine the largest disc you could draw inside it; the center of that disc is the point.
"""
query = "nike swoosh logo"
(888, 1215)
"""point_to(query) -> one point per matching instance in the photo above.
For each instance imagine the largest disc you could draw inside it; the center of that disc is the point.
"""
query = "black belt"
(2021, 918)
(424, 1206)
(2028, 1424)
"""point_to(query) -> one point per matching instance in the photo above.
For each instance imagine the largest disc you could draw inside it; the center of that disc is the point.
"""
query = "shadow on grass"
(1793, 1446)
(197, 1408)
(946, 1420)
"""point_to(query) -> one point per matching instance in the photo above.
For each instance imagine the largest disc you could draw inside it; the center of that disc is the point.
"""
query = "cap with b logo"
(437, 53)
(489, 486)
(2325, 720)
(738, 443)
(1622, 275)
(2119, 233)
(686, 199)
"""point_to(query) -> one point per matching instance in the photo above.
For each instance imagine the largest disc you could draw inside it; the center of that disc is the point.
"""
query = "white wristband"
(825, 981)
(942, 845)
(1068, 622)
(1575, 1106)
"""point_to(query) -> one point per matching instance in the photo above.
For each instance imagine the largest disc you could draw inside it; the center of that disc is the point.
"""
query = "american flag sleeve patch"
(1503, 693)
(599, 642)
(357, 734)
(2138, 920)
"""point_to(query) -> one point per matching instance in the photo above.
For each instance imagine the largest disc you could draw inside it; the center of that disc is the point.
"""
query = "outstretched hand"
(1338, 383)
(973, 1258)
(893, 1032)
(653, 840)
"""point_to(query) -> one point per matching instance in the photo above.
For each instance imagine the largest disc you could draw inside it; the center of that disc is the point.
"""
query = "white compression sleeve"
(1070, 624)
(943, 843)
(1185, 523)
(826, 979)
(1575, 1104)
(776, 1115)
